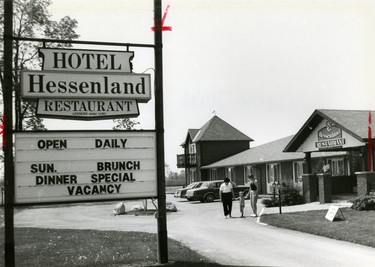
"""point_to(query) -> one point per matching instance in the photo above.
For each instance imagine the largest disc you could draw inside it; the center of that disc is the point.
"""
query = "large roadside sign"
(86, 84)
(84, 166)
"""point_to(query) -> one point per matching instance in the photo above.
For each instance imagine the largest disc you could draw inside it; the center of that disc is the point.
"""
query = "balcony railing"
(186, 160)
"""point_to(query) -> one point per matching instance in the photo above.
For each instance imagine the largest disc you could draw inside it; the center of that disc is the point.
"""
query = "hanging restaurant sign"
(330, 136)
(87, 109)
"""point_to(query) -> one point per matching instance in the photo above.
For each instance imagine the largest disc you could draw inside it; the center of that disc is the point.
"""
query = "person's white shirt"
(226, 188)
(326, 167)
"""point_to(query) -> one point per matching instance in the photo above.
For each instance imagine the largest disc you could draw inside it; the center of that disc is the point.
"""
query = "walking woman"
(226, 196)
(253, 195)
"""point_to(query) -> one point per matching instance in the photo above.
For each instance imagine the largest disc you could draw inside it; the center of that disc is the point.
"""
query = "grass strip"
(61, 247)
(358, 226)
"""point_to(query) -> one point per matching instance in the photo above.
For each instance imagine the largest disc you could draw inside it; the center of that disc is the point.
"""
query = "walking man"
(226, 197)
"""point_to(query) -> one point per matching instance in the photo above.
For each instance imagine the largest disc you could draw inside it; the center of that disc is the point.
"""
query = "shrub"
(364, 203)
(290, 196)
(273, 202)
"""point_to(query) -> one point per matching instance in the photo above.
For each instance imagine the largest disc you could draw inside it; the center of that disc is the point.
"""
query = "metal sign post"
(7, 134)
(159, 125)
(8, 127)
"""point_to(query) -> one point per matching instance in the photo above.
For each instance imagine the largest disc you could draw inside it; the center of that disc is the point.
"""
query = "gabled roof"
(354, 122)
(218, 130)
(191, 133)
(267, 153)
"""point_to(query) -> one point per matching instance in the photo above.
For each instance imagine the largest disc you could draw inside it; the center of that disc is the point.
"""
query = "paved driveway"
(202, 226)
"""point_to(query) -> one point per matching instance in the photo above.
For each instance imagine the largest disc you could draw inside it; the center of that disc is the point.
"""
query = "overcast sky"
(263, 66)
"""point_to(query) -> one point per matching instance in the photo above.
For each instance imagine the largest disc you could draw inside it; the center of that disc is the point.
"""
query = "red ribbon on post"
(2, 125)
(163, 28)
(2, 130)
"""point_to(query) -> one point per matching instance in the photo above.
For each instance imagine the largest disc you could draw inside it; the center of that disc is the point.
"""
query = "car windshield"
(192, 185)
(198, 185)
(205, 185)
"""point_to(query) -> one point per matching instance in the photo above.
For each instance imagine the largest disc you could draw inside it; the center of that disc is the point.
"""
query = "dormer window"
(192, 149)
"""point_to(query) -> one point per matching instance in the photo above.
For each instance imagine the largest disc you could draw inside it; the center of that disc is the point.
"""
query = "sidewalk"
(304, 207)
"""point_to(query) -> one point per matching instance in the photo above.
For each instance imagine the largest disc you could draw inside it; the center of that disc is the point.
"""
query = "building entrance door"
(273, 176)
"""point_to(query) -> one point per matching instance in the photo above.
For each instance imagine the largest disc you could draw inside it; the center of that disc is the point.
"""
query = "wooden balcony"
(186, 160)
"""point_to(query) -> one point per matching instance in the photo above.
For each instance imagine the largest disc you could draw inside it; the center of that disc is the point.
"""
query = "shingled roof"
(354, 122)
(267, 153)
(191, 133)
(218, 130)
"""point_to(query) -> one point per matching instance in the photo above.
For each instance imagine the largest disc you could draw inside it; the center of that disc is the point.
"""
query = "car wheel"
(209, 198)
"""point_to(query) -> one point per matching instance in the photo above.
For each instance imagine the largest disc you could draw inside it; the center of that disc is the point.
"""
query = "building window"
(213, 174)
(297, 170)
(338, 167)
(192, 149)
(193, 175)
(229, 173)
(273, 172)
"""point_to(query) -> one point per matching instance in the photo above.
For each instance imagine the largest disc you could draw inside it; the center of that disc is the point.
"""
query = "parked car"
(209, 191)
(182, 191)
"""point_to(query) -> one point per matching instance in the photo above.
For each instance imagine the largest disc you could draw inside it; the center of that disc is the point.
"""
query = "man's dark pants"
(227, 203)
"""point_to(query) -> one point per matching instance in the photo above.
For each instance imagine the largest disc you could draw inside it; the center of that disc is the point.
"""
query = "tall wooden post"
(8, 134)
(308, 162)
(159, 125)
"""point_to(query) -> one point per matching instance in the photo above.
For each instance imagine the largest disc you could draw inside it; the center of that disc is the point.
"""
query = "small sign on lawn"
(333, 212)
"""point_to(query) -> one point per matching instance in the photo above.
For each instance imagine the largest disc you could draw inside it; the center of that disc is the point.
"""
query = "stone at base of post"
(325, 187)
(310, 185)
(365, 181)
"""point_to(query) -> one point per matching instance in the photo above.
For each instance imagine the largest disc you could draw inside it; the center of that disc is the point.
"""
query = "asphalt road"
(202, 226)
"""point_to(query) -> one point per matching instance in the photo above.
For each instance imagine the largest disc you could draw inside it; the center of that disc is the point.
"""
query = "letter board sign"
(84, 166)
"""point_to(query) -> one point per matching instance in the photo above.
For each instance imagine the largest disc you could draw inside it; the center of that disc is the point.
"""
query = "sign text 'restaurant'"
(87, 109)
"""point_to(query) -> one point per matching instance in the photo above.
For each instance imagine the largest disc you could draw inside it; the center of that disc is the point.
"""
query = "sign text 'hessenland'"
(48, 84)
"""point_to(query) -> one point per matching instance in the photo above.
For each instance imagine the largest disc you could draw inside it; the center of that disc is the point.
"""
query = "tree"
(31, 19)
(168, 172)
(124, 124)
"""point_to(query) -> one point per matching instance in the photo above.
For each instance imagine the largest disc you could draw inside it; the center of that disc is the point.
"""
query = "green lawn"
(358, 226)
(60, 247)
(47, 247)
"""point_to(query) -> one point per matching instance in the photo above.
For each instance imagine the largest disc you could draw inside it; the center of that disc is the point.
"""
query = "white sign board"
(328, 136)
(332, 212)
(86, 60)
(84, 166)
(87, 109)
(51, 84)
